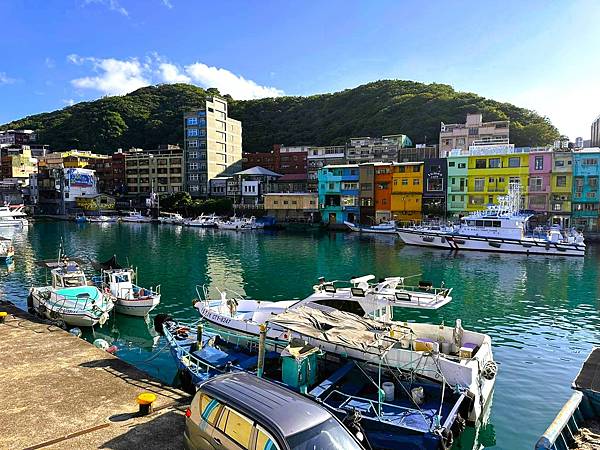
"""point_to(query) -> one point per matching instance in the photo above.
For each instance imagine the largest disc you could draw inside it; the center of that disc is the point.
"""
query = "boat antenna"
(60, 250)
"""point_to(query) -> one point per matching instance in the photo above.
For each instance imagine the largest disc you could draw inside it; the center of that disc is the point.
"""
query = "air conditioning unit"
(563, 197)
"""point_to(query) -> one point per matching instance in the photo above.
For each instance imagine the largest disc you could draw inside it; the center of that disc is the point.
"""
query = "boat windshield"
(73, 281)
(329, 434)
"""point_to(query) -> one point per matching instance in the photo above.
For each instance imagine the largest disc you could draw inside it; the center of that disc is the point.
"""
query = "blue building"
(586, 196)
(338, 193)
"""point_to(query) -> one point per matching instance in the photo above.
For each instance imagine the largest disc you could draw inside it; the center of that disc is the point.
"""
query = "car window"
(209, 408)
(236, 426)
(264, 441)
(327, 435)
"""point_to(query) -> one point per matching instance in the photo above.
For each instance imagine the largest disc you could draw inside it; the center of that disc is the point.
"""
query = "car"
(242, 411)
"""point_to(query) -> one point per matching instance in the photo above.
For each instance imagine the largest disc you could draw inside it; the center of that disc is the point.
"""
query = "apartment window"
(221, 136)
(331, 186)
(435, 184)
(561, 181)
(193, 166)
(494, 163)
(404, 181)
(535, 183)
(480, 164)
(556, 207)
(193, 155)
(559, 163)
(193, 188)
(192, 121)
(479, 185)
(490, 199)
(514, 180)
(193, 144)
(447, 141)
(460, 141)
(416, 182)
(539, 163)
(192, 132)
(435, 168)
(514, 162)
(451, 164)
(416, 168)
(201, 122)
(593, 182)
(590, 162)
(473, 131)
(462, 165)
(453, 180)
(591, 195)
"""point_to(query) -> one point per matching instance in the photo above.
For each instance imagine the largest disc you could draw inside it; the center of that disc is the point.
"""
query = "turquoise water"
(542, 313)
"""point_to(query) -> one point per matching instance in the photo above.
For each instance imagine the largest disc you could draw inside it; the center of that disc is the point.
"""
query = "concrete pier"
(59, 391)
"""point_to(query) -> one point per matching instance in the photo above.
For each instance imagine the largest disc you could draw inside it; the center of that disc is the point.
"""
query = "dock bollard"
(3, 315)
(260, 366)
(145, 400)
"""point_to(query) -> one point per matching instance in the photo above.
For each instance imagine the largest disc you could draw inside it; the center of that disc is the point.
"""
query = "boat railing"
(203, 292)
(60, 302)
(376, 406)
(560, 435)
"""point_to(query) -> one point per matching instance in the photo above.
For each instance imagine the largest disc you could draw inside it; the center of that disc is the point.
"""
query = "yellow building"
(293, 206)
(95, 203)
(489, 176)
(19, 165)
(407, 191)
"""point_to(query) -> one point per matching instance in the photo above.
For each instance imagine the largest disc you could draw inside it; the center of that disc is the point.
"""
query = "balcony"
(458, 189)
(457, 205)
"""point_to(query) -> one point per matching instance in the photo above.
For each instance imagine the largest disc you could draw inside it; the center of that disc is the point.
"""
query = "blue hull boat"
(581, 410)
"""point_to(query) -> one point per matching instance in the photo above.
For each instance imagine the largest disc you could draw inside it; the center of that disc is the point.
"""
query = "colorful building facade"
(435, 182)
(585, 197)
(540, 181)
(561, 181)
(407, 191)
(339, 193)
(457, 184)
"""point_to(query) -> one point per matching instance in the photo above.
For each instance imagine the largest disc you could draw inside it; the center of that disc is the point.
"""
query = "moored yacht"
(135, 217)
(499, 228)
(7, 250)
(70, 299)
(202, 221)
(12, 216)
(171, 218)
(380, 228)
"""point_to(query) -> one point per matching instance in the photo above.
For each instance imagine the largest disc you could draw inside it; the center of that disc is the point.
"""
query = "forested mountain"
(152, 115)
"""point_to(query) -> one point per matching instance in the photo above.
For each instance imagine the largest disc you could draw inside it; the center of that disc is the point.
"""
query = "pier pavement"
(58, 391)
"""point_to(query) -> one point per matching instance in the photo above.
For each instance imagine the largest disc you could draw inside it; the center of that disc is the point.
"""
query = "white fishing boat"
(499, 228)
(70, 299)
(202, 221)
(381, 228)
(13, 216)
(171, 218)
(102, 219)
(461, 359)
(7, 251)
(239, 224)
(135, 217)
(131, 299)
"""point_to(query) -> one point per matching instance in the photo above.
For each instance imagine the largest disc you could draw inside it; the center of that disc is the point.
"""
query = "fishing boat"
(135, 217)
(81, 219)
(170, 218)
(202, 221)
(239, 224)
(381, 228)
(464, 358)
(131, 299)
(70, 299)
(7, 251)
(102, 219)
(499, 228)
(577, 425)
(391, 409)
(13, 216)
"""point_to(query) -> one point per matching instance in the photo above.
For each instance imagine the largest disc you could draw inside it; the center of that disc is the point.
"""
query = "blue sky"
(537, 54)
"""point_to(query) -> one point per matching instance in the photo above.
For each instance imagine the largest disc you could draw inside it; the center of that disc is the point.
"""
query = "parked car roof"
(267, 402)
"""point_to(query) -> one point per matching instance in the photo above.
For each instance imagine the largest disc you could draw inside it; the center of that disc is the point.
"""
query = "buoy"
(145, 400)
(101, 344)
(75, 332)
(3, 315)
(112, 349)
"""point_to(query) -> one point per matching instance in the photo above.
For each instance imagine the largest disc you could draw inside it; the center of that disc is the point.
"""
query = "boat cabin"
(68, 275)
(482, 224)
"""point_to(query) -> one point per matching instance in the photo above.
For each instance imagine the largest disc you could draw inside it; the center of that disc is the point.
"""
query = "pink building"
(539, 186)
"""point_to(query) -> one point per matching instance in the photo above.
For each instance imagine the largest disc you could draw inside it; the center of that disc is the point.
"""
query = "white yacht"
(101, 219)
(202, 221)
(499, 228)
(380, 228)
(239, 224)
(12, 216)
(136, 217)
(131, 299)
(70, 299)
(171, 218)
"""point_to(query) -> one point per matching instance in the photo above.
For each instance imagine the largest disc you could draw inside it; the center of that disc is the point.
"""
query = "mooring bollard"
(261, 350)
(3, 315)
(145, 400)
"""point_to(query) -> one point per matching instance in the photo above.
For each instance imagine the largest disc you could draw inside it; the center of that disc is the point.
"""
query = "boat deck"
(59, 391)
(589, 375)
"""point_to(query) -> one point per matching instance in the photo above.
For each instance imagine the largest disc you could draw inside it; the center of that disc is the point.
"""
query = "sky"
(542, 55)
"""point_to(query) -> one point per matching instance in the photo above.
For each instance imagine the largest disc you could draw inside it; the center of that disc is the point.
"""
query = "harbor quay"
(59, 391)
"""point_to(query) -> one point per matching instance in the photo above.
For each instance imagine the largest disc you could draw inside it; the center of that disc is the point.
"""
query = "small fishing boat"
(577, 425)
(499, 228)
(202, 221)
(171, 218)
(135, 217)
(7, 251)
(131, 299)
(13, 216)
(70, 299)
(239, 224)
(102, 219)
(381, 228)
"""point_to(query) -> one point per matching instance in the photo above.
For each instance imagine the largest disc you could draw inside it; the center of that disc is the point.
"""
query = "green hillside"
(152, 115)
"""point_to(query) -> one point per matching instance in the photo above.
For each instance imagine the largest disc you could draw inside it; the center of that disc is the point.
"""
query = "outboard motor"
(352, 422)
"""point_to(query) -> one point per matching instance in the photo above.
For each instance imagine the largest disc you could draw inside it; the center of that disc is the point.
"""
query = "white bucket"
(418, 395)
(388, 389)
(446, 348)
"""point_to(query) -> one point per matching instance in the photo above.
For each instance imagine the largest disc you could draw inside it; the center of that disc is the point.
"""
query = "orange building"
(383, 191)
(407, 191)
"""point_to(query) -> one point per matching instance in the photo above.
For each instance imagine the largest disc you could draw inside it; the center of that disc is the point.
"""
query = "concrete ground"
(59, 391)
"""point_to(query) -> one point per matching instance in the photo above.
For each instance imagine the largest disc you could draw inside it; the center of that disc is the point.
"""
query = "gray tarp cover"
(336, 327)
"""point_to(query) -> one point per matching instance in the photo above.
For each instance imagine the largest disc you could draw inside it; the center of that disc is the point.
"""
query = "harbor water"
(541, 312)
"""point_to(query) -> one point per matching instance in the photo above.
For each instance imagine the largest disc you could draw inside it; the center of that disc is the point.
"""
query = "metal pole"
(199, 336)
(261, 350)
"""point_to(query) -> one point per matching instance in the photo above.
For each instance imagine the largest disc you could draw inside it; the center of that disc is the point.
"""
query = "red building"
(282, 159)
(110, 172)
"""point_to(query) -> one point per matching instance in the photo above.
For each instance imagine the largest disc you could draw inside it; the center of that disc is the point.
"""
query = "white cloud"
(167, 3)
(229, 83)
(170, 73)
(5, 79)
(68, 101)
(112, 5)
(115, 76)
(50, 63)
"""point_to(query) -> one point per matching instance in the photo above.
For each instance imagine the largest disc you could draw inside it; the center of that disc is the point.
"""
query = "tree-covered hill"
(152, 115)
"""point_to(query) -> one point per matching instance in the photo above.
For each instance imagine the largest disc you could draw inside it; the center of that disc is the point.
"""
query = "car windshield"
(327, 435)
